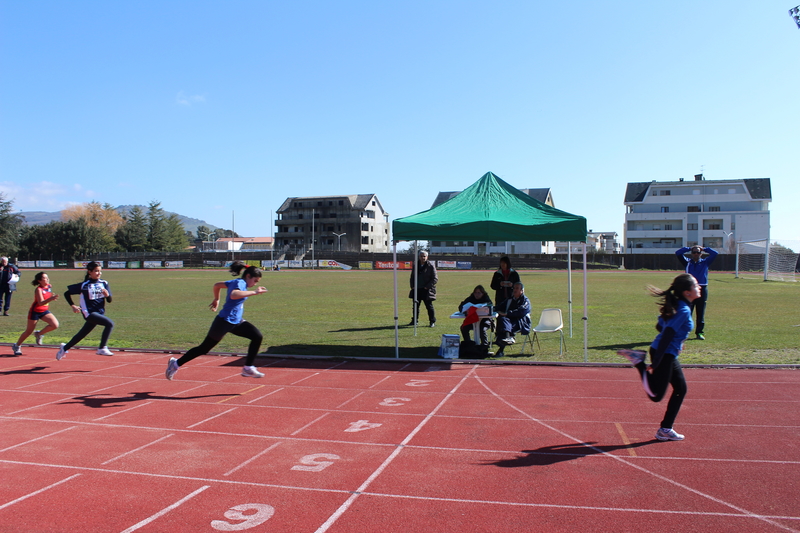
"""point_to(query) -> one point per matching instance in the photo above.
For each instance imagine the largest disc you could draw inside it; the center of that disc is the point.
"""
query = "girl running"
(40, 310)
(95, 292)
(229, 320)
(674, 325)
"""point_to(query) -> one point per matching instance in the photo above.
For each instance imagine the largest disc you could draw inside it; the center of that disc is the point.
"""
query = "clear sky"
(221, 110)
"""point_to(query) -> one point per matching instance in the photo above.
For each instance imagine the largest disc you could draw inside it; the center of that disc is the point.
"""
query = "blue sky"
(222, 109)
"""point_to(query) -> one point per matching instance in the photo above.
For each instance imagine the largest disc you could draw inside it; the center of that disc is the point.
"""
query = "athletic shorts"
(37, 316)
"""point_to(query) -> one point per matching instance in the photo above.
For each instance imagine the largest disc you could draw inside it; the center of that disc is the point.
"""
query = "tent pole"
(396, 325)
(569, 285)
(585, 311)
(415, 311)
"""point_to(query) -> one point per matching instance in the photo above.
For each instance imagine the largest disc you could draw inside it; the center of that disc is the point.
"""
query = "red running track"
(107, 444)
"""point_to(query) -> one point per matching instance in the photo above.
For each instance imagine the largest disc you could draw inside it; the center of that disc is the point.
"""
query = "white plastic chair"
(550, 322)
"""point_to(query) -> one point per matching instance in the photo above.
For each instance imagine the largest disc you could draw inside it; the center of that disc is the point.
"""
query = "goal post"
(772, 262)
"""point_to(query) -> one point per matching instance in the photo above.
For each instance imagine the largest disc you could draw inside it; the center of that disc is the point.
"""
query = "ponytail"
(671, 296)
(249, 270)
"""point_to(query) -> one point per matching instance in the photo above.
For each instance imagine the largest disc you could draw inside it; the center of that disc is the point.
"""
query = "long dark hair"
(505, 260)
(91, 265)
(37, 278)
(249, 270)
(670, 297)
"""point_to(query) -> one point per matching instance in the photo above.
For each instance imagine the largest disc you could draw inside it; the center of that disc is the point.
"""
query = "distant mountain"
(35, 218)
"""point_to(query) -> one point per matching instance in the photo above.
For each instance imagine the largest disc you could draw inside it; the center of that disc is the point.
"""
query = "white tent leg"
(585, 311)
(396, 324)
(569, 285)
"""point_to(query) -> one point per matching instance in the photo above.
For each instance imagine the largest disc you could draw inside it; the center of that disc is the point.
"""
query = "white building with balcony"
(664, 216)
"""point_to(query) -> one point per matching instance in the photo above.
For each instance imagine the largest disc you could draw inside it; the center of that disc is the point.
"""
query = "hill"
(35, 218)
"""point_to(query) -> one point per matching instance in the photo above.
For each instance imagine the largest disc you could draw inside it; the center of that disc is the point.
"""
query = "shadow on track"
(549, 455)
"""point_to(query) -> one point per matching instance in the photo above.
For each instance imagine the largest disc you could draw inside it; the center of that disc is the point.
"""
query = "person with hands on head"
(40, 310)
(230, 320)
(94, 293)
(674, 326)
(697, 266)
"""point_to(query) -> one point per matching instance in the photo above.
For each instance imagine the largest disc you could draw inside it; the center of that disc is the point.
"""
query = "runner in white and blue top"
(94, 293)
(230, 320)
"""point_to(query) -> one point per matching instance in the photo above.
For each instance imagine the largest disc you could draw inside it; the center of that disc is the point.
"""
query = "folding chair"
(550, 322)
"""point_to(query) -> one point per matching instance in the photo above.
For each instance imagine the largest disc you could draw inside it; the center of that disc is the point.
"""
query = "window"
(365, 240)
(663, 193)
(731, 191)
(319, 204)
(365, 226)
(693, 209)
(341, 202)
(657, 227)
(667, 227)
(691, 226)
(714, 208)
(665, 209)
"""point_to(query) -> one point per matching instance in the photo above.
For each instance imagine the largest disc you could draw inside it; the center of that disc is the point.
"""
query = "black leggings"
(221, 327)
(667, 372)
(93, 320)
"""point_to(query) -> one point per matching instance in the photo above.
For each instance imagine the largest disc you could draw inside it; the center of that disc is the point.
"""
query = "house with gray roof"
(666, 215)
(352, 223)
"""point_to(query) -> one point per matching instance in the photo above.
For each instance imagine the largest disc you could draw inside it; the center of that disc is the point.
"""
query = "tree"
(69, 239)
(103, 217)
(10, 227)
(132, 235)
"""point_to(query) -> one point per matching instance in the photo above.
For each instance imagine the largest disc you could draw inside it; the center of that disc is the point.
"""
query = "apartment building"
(664, 216)
(352, 223)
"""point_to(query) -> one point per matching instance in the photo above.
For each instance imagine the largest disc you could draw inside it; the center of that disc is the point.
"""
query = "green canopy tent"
(488, 210)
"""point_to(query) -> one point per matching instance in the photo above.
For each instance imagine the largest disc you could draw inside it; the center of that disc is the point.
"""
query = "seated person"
(481, 302)
(512, 316)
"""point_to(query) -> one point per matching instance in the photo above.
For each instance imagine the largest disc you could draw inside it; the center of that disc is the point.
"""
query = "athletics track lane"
(106, 444)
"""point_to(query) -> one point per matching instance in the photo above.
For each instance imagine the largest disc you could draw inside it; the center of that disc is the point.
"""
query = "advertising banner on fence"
(82, 264)
(134, 264)
(44, 264)
(445, 264)
(294, 263)
(388, 265)
(464, 265)
(330, 263)
(365, 265)
(210, 263)
(26, 264)
(152, 264)
(117, 264)
(173, 264)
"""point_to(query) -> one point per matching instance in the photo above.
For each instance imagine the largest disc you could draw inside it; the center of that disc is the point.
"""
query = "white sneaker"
(251, 372)
(38, 337)
(62, 353)
(172, 367)
(15, 348)
(104, 351)
(668, 434)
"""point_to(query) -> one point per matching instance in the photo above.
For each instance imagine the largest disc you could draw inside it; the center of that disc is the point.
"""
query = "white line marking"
(137, 449)
(37, 438)
(123, 411)
(630, 463)
(37, 492)
(268, 394)
(305, 378)
(41, 405)
(309, 424)
(346, 505)
(256, 456)
(350, 400)
(379, 382)
(165, 510)
(109, 387)
(212, 417)
(43, 382)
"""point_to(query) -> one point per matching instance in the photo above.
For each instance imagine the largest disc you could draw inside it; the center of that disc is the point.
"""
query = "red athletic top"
(41, 294)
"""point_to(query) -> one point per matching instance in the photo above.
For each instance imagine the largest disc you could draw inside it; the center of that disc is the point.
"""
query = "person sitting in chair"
(513, 315)
(482, 304)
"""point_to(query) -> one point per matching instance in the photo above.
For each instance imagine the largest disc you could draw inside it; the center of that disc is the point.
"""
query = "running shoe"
(251, 372)
(38, 337)
(16, 349)
(634, 356)
(668, 434)
(104, 351)
(700, 337)
(172, 367)
(62, 353)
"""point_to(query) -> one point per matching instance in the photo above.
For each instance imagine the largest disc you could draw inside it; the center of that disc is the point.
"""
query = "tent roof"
(491, 210)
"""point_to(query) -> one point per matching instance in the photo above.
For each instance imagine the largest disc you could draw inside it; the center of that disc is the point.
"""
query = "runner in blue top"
(674, 326)
(697, 266)
(95, 292)
(229, 320)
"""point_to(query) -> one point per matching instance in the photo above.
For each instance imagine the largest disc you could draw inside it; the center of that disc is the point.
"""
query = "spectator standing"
(503, 281)
(425, 284)
(697, 266)
(7, 286)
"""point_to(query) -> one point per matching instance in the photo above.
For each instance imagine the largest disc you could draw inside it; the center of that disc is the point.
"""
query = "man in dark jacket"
(697, 266)
(425, 284)
(513, 315)
(6, 271)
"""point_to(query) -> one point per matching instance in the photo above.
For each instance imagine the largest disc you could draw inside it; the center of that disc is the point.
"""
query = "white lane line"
(264, 396)
(309, 424)
(256, 456)
(632, 464)
(37, 438)
(123, 411)
(21, 498)
(212, 417)
(350, 400)
(109, 387)
(305, 378)
(346, 505)
(43, 382)
(136, 449)
(165, 510)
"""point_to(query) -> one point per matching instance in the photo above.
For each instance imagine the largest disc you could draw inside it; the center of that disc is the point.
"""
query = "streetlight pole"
(339, 236)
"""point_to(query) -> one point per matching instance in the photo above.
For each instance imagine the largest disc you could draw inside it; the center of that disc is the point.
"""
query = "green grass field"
(336, 313)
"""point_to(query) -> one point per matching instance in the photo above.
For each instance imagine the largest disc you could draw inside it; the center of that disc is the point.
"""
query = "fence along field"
(342, 314)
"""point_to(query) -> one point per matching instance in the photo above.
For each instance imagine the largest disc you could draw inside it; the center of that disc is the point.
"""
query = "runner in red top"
(40, 310)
